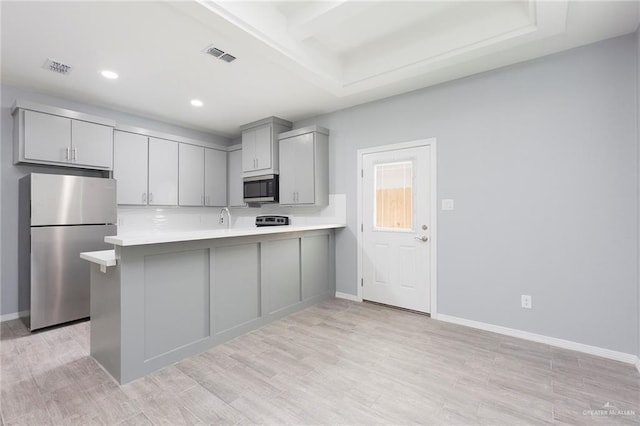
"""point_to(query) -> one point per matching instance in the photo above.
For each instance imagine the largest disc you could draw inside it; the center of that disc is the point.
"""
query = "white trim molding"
(15, 315)
(552, 341)
(433, 201)
(347, 296)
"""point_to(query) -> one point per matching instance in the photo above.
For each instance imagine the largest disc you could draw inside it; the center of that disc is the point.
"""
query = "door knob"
(424, 238)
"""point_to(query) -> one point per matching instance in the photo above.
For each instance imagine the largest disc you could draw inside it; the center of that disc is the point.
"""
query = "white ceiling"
(295, 59)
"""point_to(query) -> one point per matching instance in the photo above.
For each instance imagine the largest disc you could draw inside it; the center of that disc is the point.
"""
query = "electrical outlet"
(526, 301)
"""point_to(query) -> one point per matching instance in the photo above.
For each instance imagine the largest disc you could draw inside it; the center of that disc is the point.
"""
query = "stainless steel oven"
(261, 189)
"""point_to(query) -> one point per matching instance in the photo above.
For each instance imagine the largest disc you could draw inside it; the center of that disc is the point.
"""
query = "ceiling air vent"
(219, 54)
(57, 66)
(227, 58)
(213, 51)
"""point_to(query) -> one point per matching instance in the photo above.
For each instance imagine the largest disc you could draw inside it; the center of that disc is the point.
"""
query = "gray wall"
(638, 136)
(541, 160)
(10, 174)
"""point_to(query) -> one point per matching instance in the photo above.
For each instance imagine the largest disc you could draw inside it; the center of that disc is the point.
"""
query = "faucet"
(221, 219)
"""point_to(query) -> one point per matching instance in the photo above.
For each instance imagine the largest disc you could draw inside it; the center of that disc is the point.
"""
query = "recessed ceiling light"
(196, 102)
(109, 74)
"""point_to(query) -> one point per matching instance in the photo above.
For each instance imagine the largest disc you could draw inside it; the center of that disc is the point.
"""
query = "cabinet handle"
(257, 163)
(66, 153)
(204, 200)
(208, 200)
(75, 154)
(151, 197)
(144, 197)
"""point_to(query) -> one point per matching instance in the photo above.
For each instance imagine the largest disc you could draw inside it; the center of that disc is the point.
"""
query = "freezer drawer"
(72, 200)
(59, 278)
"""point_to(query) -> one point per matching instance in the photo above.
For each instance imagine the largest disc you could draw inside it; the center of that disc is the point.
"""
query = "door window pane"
(393, 195)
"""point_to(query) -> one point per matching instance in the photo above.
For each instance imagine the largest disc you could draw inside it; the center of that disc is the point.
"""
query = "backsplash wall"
(136, 220)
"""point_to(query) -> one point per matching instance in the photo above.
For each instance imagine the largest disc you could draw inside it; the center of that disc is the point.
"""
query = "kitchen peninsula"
(160, 297)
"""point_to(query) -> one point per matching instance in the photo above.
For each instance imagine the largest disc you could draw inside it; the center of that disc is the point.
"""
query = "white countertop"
(103, 258)
(177, 236)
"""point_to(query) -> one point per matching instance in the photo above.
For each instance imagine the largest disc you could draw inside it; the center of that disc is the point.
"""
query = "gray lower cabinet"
(236, 282)
(176, 286)
(165, 302)
(281, 273)
(315, 266)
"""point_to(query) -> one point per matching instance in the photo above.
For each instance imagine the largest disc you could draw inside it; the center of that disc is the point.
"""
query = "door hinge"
(361, 282)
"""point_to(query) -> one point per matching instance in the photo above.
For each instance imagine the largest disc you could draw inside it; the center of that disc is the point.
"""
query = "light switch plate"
(447, 204)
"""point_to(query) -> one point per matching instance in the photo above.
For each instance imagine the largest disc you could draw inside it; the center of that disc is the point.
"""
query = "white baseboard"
(347, 296)
(565, 344)
(15, 315)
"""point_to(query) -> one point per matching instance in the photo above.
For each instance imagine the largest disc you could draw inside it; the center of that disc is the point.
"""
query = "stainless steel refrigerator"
(61, 217)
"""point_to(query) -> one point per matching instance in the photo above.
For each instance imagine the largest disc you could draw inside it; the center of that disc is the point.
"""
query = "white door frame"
(433, 201)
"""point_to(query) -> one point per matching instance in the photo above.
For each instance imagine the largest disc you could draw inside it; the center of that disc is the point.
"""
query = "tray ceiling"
(294, 59)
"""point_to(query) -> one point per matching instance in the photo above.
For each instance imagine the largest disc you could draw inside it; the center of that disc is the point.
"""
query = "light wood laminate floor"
(338, 362)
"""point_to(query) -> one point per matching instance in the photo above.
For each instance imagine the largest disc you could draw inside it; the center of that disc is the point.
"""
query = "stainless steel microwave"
(261, 189)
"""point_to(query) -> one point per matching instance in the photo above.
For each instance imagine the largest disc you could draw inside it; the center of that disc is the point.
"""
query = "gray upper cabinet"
(50, 135)
(163, 172)
(130, 167)
(146, 170)
(202, 176)
(92, 144)
(260, 146)
(46, 137)
(234, 177)
(304, 166)
(215, 177)
(191, 175)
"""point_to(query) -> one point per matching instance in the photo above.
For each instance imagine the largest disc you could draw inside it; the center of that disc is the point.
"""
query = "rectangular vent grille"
(214, 51)
(219, 54)
(57, 66)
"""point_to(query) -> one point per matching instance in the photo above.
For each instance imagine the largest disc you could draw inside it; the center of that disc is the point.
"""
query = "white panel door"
(92, 144)
(215, 177)
(191, 175)
(47, 137)
(163, 172)
(248, 150)
(130, 167)
(235, 179)
(263, 148)
(396, 228)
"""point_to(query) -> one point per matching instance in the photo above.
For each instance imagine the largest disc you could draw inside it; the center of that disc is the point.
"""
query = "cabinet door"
(47, 137)
(305, 169)
(236, 196)
(263, 148)
(163, 172)
(215, 177)
(92, 144)
(280, 267)
(191, 175)
(248, 150)
(130, 167)
(287, 171)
